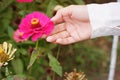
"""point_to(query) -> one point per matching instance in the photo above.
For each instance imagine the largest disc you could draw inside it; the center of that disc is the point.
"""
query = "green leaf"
(4, 4)
(23, 51)
(48, 78)
(20, 77)
(50, 7)
(18, 66)
(10, 32)
(6, 18)
(55, 65)
(34, 56)
(9, 78)
(79, 2)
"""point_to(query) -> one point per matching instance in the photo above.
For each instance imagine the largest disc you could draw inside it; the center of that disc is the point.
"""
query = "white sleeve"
(104, 19)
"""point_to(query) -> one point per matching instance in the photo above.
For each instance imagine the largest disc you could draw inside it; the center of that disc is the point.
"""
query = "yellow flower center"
(34, 21)
(3, 56)
(21, 34)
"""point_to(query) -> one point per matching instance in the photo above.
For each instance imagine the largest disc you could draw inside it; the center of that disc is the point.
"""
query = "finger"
(58, 28)
(65, 41)
(54, 37)
(58, 18)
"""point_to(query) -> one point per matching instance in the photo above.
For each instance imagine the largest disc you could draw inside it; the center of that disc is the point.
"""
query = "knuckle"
(71, 6)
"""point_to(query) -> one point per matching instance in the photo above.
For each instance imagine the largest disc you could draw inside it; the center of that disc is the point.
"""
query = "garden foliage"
(43, 63)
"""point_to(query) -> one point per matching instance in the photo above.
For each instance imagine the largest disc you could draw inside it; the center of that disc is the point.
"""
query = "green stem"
(58, 52)
(36, 45)
(30, 69)
(53, 75)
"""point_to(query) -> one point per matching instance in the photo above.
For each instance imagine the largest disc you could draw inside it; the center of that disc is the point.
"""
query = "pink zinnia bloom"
(18, 36)
(20, 1)
(35, 25)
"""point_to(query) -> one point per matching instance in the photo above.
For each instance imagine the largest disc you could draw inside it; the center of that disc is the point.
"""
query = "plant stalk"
(58, 52)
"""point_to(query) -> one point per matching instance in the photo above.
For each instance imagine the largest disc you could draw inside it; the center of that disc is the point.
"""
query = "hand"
(72, 25)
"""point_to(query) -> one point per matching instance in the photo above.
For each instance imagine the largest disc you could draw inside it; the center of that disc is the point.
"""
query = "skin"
(71, 25)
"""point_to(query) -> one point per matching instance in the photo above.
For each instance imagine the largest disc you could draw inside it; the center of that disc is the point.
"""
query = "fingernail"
(49, 39)
(58, 40)
(52, 19)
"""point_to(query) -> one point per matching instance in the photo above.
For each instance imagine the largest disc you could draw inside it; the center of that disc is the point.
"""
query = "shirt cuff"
(104, 19)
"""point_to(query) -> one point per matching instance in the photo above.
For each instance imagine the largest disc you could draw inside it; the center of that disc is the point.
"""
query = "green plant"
(42, 62)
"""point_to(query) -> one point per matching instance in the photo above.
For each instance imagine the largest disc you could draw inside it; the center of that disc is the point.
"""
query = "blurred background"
(90, 56)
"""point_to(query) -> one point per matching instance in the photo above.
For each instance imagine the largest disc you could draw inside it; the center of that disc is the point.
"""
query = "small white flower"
(6, 53)
(58, 7)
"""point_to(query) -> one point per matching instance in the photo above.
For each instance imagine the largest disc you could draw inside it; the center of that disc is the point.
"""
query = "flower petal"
(48, 28)
(27, 35)
(36, 36)
(44, 26)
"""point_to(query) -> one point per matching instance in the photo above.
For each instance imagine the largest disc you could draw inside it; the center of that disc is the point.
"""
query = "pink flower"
(35, 25)
(20, 1)
(18, 36)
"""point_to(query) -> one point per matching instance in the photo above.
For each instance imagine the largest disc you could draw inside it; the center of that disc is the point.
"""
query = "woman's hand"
(71, 25)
